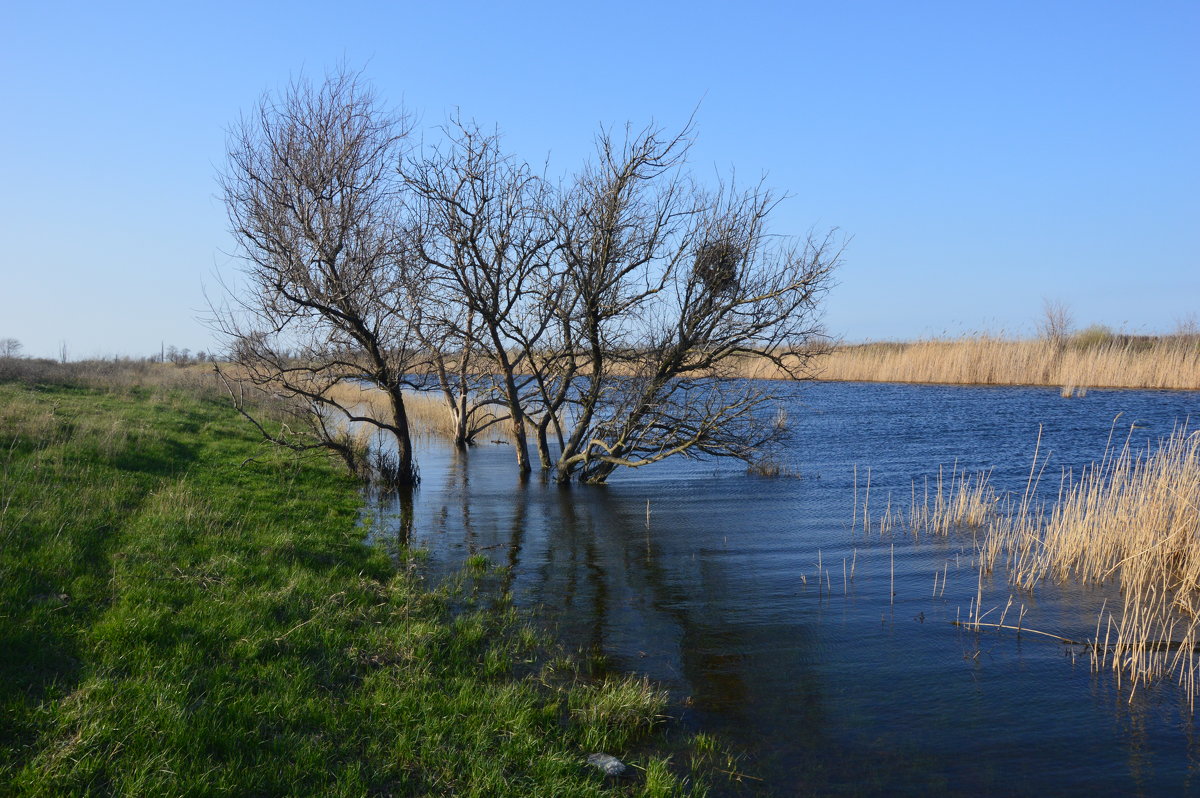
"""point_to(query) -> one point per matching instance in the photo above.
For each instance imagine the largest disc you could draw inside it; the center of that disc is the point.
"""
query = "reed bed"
(959, 500)
(428, 413)
(963, 501)
(1132, 519)
(1115, 361)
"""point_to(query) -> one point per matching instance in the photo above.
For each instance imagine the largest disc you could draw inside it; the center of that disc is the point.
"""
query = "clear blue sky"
(982, 155)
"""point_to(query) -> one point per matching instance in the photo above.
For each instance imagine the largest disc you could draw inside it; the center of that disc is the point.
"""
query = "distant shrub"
(1093, 336)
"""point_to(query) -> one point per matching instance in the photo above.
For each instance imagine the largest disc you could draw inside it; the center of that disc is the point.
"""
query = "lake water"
(838, 688)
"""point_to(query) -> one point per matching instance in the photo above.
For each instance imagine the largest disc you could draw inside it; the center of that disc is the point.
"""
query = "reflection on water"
(769, 617)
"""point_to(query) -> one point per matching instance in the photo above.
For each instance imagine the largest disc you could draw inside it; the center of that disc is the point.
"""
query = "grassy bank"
(1092, 358)
(182, 612)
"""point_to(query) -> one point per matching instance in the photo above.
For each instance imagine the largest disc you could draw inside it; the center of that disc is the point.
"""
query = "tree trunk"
(515, 411)
(406, 472)
(543, 447)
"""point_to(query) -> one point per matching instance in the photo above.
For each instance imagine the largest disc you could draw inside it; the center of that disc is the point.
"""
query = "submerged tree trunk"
(520, 435)
(543, 446)
(406, 474)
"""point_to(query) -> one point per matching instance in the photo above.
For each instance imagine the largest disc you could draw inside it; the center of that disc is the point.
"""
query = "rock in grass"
(609, 765)
(52, 599)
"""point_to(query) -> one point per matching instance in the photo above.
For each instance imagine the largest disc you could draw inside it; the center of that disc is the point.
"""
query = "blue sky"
(982, 156)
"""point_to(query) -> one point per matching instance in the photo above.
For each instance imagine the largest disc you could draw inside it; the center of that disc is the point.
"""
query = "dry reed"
(1162, 362)
(957, 501)
(1132, 519)
(965, 501)
(428, 413)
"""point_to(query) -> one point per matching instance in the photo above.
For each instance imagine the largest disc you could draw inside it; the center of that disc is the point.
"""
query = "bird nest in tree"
(717, 266)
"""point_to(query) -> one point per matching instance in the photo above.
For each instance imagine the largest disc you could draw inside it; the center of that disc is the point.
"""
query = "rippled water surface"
(706, 579)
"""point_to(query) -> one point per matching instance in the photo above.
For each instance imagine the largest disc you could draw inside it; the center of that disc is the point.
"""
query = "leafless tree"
(612, 314)
(314, 203)
(483, 240)
(180, 357)
(10, 347)
(669, 287)
(457, 367)
(1056, 323)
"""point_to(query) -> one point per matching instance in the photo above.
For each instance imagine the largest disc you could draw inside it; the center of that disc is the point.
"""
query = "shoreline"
(196, 614)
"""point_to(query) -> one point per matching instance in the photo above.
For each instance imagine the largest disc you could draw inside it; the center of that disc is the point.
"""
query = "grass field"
(185, 612)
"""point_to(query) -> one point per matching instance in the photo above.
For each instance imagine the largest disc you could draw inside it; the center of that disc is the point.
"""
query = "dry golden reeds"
(1163, 362)
(1132, 519)
(956, 501)
(965, 501)
(428, 413)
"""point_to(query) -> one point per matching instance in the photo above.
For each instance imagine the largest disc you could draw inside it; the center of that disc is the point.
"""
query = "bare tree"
(10, 347)
(1056, 323)
(180, 357)
(613, 314)
(670, 287)
(445, 328)
(313, 201)
(483, 238)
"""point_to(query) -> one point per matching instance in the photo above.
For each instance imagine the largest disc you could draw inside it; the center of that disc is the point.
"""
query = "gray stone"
(609, 765)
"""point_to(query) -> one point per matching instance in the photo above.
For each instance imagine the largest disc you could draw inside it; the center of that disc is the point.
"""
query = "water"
(838, 688)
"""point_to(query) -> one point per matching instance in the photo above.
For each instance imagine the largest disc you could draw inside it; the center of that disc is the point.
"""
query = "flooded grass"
(183, 611)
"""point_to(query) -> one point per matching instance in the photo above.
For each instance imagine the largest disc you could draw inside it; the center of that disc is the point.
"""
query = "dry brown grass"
(113, 374)
(1161, 362)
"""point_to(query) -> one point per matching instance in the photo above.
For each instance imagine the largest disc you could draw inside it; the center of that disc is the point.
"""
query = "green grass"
(183, 612)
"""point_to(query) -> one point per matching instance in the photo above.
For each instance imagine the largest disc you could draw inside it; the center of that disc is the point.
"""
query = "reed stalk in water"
(1133, 520)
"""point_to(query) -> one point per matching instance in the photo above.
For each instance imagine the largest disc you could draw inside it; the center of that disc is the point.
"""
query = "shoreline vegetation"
(185, 610)
(1092, 358)
(1131, 520)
